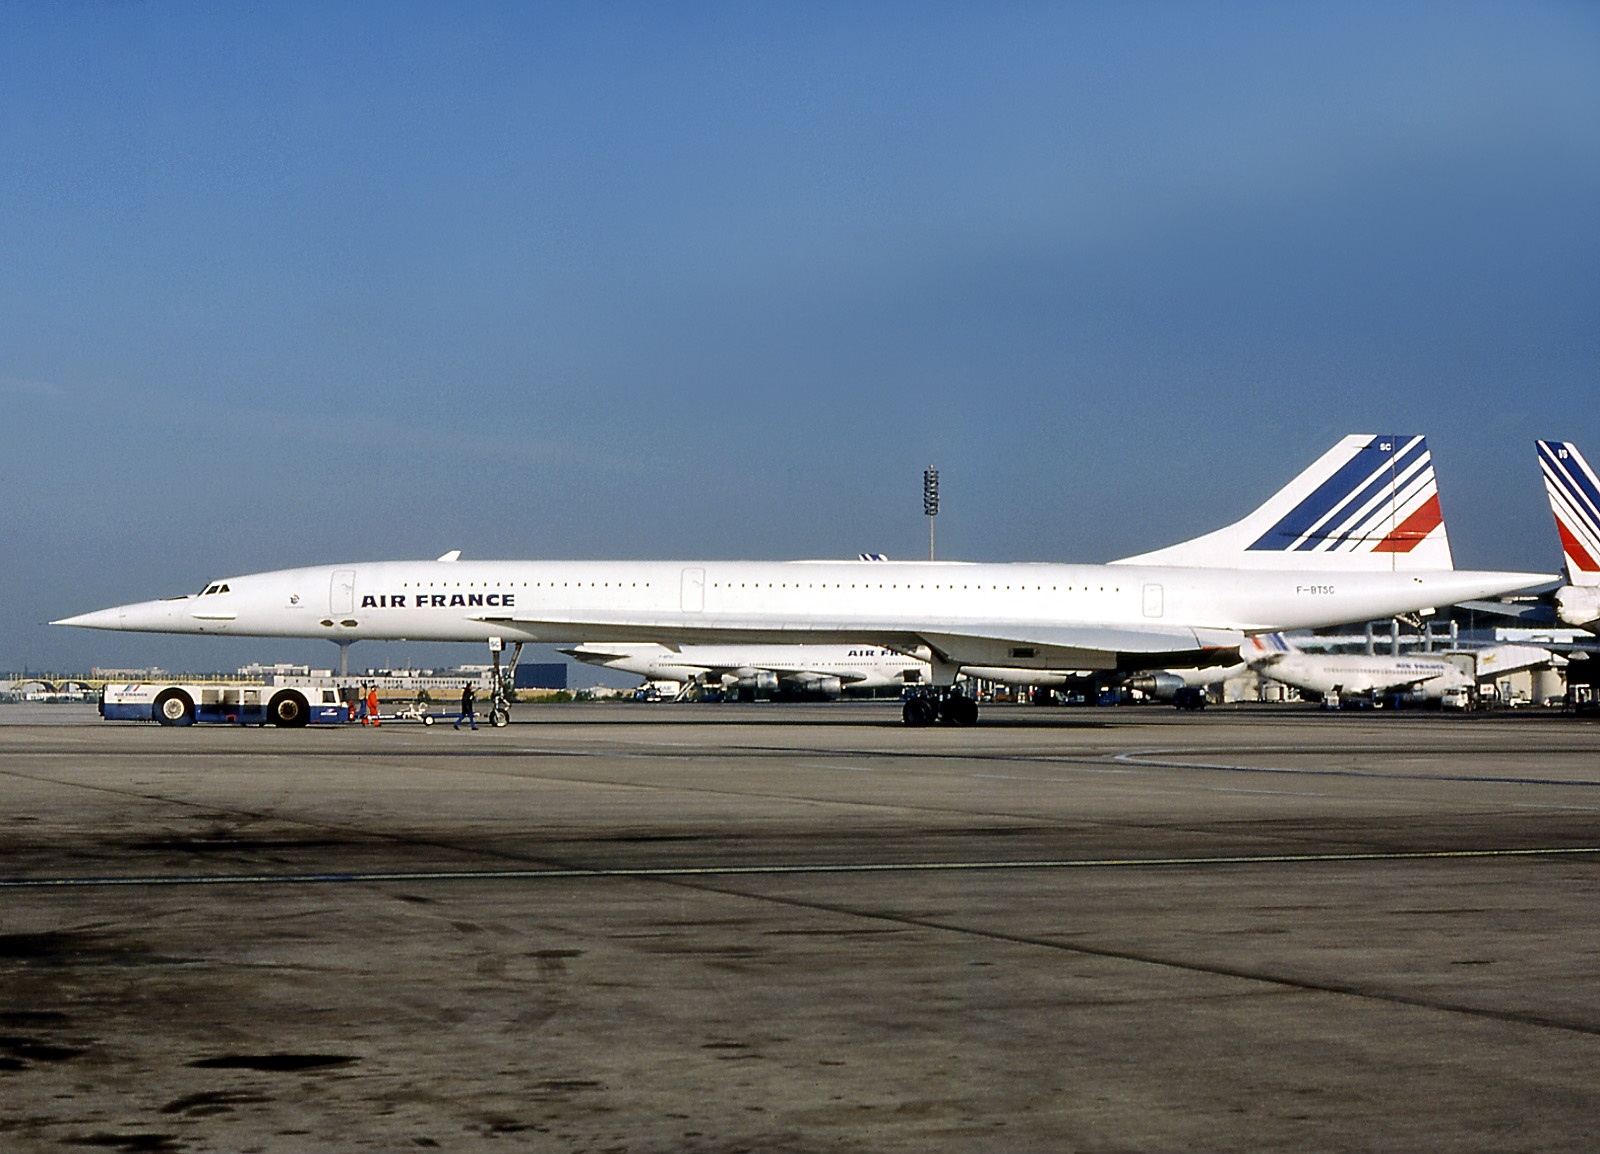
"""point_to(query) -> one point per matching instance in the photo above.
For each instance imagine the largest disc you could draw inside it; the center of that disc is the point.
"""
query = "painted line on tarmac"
(1269, 792)
(1147, 758)
(560, 873)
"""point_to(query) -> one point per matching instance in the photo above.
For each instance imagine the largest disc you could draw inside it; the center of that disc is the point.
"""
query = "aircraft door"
(1153, 606)
(342, 593)
(694, 590)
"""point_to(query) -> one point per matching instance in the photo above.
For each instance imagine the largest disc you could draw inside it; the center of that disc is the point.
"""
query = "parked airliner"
(765, 670)
(825, 671)
(1357, 676)
(1367, 676)
(1357, 536)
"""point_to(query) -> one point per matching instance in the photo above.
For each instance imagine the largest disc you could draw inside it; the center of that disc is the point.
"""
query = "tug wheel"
(288, 710)
(173, 707)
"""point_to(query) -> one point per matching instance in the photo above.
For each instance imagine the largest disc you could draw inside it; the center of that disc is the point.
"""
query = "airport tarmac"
(798, 928)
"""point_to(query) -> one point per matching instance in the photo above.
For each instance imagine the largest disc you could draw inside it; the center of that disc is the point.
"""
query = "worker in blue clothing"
(468, 709)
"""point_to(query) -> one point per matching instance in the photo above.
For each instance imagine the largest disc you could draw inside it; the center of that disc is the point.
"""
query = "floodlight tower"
(930, 501)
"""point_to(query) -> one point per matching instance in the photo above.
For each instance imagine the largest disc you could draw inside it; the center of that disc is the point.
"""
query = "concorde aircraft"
(1358, 535)
(1574, 493)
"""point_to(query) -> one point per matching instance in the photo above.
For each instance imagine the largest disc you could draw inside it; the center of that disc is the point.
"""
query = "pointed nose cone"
(99, 619)
(141, 617)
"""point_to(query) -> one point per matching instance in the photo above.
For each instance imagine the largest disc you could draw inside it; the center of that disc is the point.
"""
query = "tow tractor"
(179, 703)
(185, 703)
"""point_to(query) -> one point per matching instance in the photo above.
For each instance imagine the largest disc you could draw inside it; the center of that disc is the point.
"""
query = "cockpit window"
(222, 588)
(208, 589)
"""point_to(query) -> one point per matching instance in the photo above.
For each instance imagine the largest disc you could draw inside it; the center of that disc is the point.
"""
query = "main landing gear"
(504, 683)
(940, 704)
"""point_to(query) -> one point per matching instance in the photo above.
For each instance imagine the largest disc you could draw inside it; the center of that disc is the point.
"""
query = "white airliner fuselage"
(1362, 675)
(1367, 675)
(1016, 615)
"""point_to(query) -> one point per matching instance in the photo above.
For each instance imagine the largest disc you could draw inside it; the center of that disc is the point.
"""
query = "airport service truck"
(179, 703)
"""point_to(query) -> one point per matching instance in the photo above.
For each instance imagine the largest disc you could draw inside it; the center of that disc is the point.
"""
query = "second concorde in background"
(1357, 536)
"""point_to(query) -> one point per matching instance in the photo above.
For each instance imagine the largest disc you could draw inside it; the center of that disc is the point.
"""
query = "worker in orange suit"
(372, 707)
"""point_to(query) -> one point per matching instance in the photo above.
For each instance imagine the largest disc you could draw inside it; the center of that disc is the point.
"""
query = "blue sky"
(290, 284)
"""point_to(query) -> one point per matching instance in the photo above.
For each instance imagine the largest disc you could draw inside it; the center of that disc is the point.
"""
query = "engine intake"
(1161, 686)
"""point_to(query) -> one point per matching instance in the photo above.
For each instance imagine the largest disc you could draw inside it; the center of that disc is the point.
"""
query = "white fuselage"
(1356, 675)
(1044, 616)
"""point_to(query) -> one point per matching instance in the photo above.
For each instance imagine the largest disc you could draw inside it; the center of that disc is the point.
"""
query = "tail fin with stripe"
(1574, 493)
(1264, 647)
(1370, 503)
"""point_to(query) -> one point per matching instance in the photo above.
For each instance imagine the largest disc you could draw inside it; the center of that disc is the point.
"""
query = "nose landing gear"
(504, 682)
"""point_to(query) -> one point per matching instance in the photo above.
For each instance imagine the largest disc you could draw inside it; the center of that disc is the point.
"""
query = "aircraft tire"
(960, 710)
(288, 710)
(173, 708)
(918, 711)
(499, 717)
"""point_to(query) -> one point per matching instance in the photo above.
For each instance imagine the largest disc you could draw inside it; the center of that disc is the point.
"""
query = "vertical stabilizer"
(1574, 495)
(1264, 647)
(1370, 503)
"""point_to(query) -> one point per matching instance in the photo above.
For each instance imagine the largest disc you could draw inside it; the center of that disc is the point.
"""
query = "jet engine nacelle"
(757, 681)
(1161, 686)
(829, 687)
(1579, 605)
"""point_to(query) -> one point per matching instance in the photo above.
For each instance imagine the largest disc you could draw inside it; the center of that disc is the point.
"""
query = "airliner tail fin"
(1370, 503)
(1574, 493)
(1261, 647)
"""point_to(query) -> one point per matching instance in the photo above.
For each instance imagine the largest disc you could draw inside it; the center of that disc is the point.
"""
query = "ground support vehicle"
(416, 711)
(182, 703)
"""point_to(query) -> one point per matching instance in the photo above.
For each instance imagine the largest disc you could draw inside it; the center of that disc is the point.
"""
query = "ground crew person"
(372, 707)
(468, 713)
